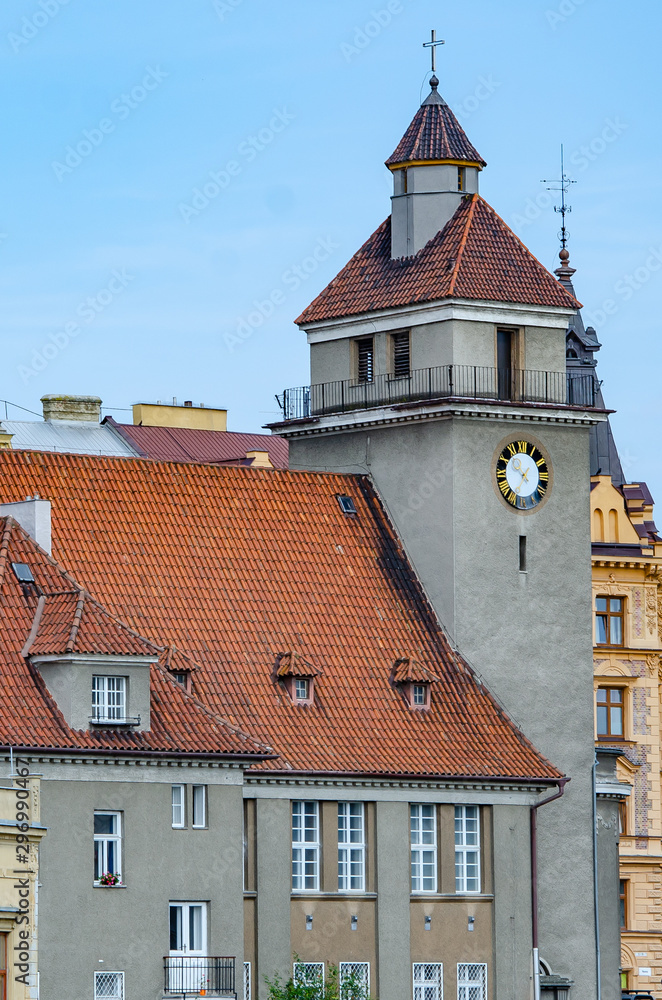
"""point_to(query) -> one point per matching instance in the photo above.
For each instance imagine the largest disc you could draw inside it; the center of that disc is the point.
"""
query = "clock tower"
(438, 368)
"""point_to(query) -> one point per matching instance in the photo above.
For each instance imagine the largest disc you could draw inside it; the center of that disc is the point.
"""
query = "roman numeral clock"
(522, 474)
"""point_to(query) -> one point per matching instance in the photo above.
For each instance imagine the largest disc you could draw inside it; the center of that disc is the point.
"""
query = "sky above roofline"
(119, 279)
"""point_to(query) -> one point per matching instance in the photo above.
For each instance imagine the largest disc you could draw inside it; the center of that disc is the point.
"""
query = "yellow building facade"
(627, 603)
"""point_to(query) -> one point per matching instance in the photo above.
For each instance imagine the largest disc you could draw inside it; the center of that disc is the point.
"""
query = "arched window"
(613, 526)
(571, 353)
(598, 525)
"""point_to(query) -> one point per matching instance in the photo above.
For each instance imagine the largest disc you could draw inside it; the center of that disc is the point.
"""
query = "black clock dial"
(522, 475)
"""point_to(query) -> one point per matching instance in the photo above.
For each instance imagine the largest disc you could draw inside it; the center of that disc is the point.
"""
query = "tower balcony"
(457, 382)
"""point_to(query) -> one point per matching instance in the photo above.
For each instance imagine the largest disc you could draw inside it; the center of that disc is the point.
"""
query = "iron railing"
(457, 381)
(190, 974)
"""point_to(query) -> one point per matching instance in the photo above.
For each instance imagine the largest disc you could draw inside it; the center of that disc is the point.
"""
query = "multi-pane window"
(305, 846)
(609, 621)
(351, 847)
(623, 902)
(108, 986)
(301, 688)
(354, 980)
(609, 704)
(188, 929)
(309, 974)
(365, 360)
(471, 982)
(199, 806)
(401, 355)
(467, 849)
(423, 829)
(460, 178)
(3, 965)
(247, 981)
(420, 694)
(108, 699)
(428, 981)
(178, 806)
(107, 845)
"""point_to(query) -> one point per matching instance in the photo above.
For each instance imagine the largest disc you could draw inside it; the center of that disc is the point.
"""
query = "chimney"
(260, 459)
(81, 409)
(34, 516)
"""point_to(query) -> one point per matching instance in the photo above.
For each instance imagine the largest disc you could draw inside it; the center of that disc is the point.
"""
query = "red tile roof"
(64, 619)
(434, 134)
(183, 444)
(475, 256)
(234, 566)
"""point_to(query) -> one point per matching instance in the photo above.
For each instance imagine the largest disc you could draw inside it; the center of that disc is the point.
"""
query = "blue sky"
(118, 280)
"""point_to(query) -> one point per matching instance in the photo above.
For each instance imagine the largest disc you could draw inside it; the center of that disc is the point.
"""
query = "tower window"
(401, 355)
(461, 178)
(522, 553)
(366, 360)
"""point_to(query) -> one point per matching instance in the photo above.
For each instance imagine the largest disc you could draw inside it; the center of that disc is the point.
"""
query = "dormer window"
(297, 676)
(302, 689)
(108, 699)
(419, 695)
(414, 681)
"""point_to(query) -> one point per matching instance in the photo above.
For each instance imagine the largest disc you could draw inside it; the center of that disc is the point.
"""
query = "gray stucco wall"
(83, 929)
(393, 887)
(274, 864)
(512, 892)
(528, 634)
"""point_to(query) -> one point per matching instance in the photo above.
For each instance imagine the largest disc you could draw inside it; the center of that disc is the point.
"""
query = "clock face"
(522, 475)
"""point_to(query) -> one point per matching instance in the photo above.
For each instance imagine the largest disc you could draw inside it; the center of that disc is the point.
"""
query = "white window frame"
(302, 694)
(181, 806)
(309, 974)
(359, 969)
(305, 851)
(471, 987)
(107, 688)
(351, 852)
(185, 948)
(99, 977)
(467, 850)
(247, 981)
(201, 791)
(103, 839)
(423, 850)
(428, 987)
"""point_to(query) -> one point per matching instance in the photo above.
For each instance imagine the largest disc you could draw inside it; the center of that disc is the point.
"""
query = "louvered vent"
(401, 361)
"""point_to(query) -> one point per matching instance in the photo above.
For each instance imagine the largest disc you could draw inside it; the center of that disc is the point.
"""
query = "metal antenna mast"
(562, 186)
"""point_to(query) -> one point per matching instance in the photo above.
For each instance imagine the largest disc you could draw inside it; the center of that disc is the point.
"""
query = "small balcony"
(191, 975)
(461, 382)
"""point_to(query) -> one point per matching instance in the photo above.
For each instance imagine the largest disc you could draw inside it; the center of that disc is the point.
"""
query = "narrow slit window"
(199, 807)
(401, 355)
(178, 806)
(460, 179)
(522, 553)
(366, 360)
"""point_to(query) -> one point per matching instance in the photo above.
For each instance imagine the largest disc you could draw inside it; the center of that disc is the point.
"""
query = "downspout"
(534, 882)
(598, 971)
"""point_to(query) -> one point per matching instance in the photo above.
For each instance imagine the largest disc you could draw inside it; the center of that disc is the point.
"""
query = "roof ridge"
(4, 545)
(75, 625)
(463, 242)
(523, 245)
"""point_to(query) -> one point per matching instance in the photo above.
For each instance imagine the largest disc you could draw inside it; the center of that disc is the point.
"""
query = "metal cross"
(432, 44)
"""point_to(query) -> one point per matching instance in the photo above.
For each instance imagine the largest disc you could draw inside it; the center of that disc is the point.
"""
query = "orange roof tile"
(234, 566)
(55, 617)
(475, 256)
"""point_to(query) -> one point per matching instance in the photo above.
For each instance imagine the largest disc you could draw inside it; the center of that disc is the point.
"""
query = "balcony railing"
(446, 381)
(190, 975)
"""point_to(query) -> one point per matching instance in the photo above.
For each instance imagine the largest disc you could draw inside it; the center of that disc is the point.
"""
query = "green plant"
(351, 988)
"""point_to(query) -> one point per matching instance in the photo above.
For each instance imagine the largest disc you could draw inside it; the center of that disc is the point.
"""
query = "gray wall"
(127, 928)
(528, 634)
(274, 874)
